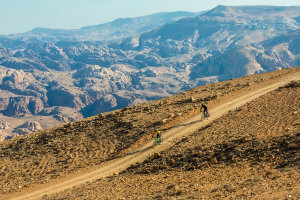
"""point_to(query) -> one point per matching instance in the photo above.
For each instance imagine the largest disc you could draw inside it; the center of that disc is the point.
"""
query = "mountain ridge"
(114, 30)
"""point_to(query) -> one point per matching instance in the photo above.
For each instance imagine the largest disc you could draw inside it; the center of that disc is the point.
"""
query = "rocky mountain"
(58, 82)
(115, 30)
(219, 29)
(273, 54)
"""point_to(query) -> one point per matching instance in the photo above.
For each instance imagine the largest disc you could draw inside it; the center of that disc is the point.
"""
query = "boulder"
(171, 115)
(4, 125)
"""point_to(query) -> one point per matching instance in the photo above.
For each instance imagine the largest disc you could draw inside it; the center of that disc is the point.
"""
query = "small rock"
(170, 187)
(116, 173)
(293, 146)
(156, 155)
(146, 108)
(194, 160)
(216, 189)
(295, 113)
(214, 160)
(158, 196)
(244, 139)
(229, 188)
(192, 100)
(171, 115)
(171, 161)
(204, 164)
(164, 121)
(270, 172)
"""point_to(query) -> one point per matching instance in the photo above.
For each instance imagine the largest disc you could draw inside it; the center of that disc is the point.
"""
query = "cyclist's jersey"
(158, 140)
(204, 107)
(158, 134)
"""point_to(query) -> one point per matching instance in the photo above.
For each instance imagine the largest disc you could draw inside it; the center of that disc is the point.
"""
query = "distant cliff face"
(273, 54)
(68, 80)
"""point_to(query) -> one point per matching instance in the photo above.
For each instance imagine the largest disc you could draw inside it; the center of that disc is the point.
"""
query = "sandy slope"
(140, 154)
(250, 153)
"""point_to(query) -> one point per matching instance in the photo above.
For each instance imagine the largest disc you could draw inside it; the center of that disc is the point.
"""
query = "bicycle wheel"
(160, 141)
(207, 115)
(202, 116)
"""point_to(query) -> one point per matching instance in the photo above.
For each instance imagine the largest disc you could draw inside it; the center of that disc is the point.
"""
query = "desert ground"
(250, 153)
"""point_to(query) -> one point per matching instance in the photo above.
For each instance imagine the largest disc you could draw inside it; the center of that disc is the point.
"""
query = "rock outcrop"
(4, 125)
(5, 135)
(28, 127)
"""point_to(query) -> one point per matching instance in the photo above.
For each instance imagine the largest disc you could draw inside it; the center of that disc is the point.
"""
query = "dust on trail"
(142, 153)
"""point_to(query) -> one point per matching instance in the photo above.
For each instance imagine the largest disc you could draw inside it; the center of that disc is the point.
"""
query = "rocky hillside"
(43, 156)
(250, 153)
(58, 82)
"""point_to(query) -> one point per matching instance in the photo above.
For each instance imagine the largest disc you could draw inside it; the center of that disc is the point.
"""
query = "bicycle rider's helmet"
(155, 130)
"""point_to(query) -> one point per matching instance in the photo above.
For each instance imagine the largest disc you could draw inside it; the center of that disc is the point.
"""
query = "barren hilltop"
(247, 149)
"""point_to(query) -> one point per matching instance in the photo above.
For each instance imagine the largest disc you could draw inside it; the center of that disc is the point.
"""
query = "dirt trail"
(142, 153)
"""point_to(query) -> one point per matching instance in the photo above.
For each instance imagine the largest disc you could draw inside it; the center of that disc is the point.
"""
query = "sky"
(17, 16)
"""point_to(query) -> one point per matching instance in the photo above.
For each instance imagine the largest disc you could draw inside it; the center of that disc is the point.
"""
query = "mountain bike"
(157, 140)
(205, 115)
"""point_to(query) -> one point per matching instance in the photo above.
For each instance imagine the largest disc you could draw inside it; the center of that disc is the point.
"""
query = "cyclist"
(205, 110)
(157, 135)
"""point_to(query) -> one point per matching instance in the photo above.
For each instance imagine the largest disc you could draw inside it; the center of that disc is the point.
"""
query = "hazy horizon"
(22, 16)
